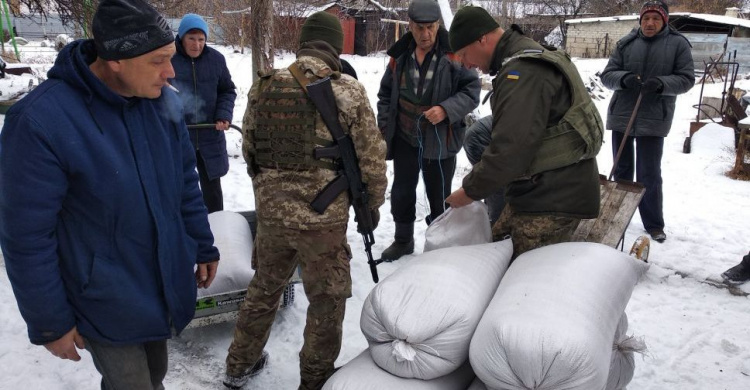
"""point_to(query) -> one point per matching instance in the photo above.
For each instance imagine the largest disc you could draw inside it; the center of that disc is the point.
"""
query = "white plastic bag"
(419, 320)
(233, 237)
(362, 373)
(468, 225)
(552, 322)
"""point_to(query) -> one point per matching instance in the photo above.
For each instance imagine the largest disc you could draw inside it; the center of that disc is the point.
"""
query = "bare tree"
(262, 35)
(565, 9)
(614, 7)
(717, 7)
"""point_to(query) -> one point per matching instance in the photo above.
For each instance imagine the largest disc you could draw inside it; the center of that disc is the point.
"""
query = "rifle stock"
(321, 94)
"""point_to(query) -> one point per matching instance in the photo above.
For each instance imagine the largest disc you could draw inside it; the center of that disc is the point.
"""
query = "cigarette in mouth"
(170, 86)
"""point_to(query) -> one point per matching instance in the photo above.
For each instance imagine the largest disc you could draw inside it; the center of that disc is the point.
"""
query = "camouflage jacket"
(283, 196)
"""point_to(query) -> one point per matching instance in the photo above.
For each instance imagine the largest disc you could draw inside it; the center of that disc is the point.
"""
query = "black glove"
(630, 81)
(374, 216)
(653, 85)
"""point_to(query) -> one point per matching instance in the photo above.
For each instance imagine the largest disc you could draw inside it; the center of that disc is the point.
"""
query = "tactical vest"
(285, 137)
(578, 135)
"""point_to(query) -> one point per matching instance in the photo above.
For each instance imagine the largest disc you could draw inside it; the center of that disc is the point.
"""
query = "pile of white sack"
(234, 239)
(555, 320)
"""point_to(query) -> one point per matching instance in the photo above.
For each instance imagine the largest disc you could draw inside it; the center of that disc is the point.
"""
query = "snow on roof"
(602, 19)
(302, 10)
(728, 20)
(521, 9)
(379, 6)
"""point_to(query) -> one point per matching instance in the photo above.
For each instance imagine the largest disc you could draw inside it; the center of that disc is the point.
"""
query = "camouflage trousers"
(323, 258)
(532, 231)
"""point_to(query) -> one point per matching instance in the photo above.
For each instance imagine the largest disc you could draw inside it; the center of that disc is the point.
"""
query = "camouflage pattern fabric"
(532, 231)
(283, 196)
(323, 257)
(290, 233)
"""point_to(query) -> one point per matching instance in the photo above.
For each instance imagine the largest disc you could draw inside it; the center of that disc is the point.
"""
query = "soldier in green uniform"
(281, 129)
(546, 134)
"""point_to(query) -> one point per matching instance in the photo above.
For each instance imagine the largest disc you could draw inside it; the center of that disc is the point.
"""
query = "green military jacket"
(530, 97)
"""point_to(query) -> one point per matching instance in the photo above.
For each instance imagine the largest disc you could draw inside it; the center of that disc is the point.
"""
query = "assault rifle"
(350, 177)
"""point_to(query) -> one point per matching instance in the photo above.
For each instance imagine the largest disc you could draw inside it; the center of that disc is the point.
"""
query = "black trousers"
(213, 196)
(647, 169)
(133, 366)
(437, 176)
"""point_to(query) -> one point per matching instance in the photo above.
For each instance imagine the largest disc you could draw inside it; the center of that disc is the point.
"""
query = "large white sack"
(233, 237)
(468, 225)
(361, 373)
(622, 362)
(419, 320)
(477, 385)
(552, 321)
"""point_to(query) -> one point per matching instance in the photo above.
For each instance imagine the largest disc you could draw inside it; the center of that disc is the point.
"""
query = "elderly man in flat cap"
(101, 219)
(423, 99)
(546, 133)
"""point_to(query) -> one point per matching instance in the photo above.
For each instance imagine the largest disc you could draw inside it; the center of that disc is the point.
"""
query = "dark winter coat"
(101, 217)
(455, 88)
(478, 136)
(665, 56)
(530, 96)
(207, 93)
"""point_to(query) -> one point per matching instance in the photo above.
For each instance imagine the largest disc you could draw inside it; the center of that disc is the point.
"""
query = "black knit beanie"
(322, 26)
(128, 28)
(469, 24)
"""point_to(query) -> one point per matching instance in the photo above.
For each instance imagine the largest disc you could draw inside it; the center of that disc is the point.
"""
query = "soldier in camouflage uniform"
(281, 128)
(546, 133)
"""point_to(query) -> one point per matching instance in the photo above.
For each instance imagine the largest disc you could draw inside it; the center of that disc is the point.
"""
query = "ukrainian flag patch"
(514, 75)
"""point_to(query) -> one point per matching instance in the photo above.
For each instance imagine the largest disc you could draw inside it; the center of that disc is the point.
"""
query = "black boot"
(738, 274)
(403, 243)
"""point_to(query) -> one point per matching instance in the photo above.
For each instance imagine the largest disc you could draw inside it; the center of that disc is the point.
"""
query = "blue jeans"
(647, 168)
(135, 366)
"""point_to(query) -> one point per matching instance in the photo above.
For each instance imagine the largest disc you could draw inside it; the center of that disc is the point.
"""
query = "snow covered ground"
(698, 335)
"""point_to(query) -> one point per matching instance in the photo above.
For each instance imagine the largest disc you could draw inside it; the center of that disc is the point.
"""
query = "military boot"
(738, 274)
(403, 243)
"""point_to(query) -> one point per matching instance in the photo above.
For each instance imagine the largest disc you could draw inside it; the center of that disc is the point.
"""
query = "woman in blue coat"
(207, 94)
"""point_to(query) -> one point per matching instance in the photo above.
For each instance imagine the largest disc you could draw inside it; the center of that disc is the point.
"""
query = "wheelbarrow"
(709, 110)
(224, 306)
(619, 200)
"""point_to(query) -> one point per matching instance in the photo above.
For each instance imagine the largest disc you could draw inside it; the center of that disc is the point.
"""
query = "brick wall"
(596, 39)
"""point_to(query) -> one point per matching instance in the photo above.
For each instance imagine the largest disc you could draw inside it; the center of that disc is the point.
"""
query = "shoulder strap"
(299, 74)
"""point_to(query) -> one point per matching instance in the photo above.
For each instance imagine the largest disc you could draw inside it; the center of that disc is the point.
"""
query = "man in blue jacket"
(424, 96)
(101, 218)
(207, 93)
(655, 62)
